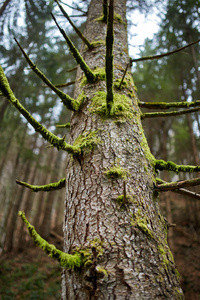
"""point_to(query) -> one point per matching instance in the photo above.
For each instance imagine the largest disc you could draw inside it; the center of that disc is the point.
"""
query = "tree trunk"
(128, 239)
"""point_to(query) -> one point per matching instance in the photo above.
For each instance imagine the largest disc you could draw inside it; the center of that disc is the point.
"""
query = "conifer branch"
(75, 8)
(66, 125)
(187, 193)
(170, 166)
(164, 54)
(91, 77)
(61, 85)
(166, 105)
(168, 114)
(44, 188)
(181, 191)
(109, 56)
(66, 260)
(170, 186)
(69, 102)
(105, 11)
(82, 37)
(57, 142)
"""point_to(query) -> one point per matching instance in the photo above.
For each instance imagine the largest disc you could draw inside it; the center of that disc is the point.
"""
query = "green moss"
(85, 142)
(116, 172)
(144, 145)
(179, 293)
(57, 142)
(97, 244)
(171, 166)
(101, 271)
(87, 253)
(118, 19)
(100, 19)
(81, 98)
(177, 273)
(121, 110)
(45, 188)
(142, 225)
(98, 43)
(66, 125)
(121, 201)
(98, 72)
(66, 260)
(127, 83)
(117, 83)
(141, 222)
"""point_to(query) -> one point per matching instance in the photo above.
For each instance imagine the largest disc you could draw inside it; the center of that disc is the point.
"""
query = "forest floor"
(31, 274)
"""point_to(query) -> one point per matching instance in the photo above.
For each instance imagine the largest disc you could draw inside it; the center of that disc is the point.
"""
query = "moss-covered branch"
(57, 142)
(109, 56)
(66, 260)
(66, 125)
(164, 54)
(187, 193)
(169, 114)
(69, 102)
(166, 105)
(170, 166)
(91, 77)
(44, 188)
(83, 38)
(181, 191)
(169, 186)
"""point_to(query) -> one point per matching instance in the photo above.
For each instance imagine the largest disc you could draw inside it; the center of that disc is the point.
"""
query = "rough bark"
(135, 262)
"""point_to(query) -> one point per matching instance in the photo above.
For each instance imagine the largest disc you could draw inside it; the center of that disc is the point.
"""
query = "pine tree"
(115, 239)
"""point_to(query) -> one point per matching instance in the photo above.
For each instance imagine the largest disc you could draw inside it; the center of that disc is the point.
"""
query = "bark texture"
(127, 236)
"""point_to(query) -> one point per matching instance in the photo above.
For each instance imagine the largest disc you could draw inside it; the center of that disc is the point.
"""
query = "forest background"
(25, 156)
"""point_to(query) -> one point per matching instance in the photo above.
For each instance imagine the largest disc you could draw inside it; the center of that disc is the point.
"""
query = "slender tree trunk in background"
(9, 148)
(13, 216)
(46, 221)
(135, 257)
(26, 204)
(3, 109)
(194, 215)
(193, 141)
(10, 194)
(167, 195)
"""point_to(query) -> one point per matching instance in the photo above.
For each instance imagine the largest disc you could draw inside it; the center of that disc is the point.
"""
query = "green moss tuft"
(121, 201)
(116, 172)
(86, 142)
(101, 271)
(44, 188)
(66, 260)
(119, 19)
(100, 19)
(98, 43)
(122, 108)
(99, 74)
(141, 222)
